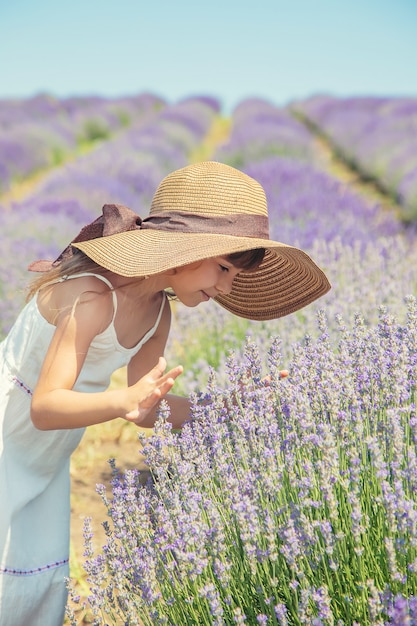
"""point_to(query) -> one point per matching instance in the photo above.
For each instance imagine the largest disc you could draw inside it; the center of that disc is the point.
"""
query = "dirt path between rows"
(335, 166)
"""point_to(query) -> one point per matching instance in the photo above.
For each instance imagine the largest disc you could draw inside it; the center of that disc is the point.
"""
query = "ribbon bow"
(115, 218)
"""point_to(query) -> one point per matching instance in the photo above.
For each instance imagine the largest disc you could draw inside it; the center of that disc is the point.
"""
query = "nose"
(225, 283)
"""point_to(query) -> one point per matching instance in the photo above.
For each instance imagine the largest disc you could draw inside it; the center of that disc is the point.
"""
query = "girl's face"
(200, 281)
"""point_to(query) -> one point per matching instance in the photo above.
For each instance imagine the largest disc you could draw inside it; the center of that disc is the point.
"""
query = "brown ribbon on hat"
(117, 218)
(236, 224)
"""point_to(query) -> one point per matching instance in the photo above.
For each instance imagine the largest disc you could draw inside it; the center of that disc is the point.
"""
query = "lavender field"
(376, 136)
(293, 503)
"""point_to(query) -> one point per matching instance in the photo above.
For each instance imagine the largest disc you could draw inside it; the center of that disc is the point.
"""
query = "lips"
(206, 297)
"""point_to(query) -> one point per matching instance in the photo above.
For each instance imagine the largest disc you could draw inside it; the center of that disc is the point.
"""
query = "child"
(101, 305)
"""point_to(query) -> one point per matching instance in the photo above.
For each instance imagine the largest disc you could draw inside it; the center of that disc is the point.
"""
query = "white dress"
(34, 469)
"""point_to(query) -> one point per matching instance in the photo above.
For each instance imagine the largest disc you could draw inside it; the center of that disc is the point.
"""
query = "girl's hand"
(147, 392)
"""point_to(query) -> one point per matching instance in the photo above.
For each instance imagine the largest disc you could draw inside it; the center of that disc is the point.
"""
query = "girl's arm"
(138, 366)
(54, 403)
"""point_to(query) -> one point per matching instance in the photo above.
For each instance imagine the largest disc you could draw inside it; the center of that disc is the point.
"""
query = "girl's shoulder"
(91, 291)
(85, 286)
(86, 282)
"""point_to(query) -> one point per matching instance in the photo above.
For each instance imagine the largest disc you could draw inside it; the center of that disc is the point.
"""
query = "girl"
(101, 305)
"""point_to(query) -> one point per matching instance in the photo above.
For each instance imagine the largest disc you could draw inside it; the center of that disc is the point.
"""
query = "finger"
(174, 373)
(145, 405)
(166, 386)
(163, 387)
(159, 368)
(157, 372)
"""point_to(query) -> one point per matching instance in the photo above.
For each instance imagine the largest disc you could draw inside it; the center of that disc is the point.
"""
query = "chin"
(190, 304)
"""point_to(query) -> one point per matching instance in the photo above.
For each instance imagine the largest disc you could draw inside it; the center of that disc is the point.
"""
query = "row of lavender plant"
(290, 504)
(43, 131)
(261, 129)
(124, 170)
(377, 136)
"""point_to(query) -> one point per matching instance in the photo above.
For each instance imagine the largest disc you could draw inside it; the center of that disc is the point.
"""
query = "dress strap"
(161, 310)
(152, 330)
(100, 277)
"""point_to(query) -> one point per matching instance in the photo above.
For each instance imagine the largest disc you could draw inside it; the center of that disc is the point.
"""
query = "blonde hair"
(75, 264)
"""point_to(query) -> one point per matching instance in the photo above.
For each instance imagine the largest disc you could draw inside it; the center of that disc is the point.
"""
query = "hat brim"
(287, 279)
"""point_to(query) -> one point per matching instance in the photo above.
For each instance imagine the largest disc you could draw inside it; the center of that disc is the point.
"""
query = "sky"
(279, 50)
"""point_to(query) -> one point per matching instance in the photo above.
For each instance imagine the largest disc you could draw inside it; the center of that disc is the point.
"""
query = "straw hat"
(200, 211)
